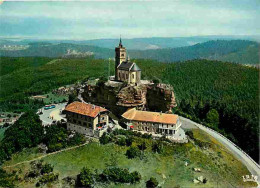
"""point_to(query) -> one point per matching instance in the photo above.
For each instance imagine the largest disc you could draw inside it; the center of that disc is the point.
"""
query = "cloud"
(133, 19)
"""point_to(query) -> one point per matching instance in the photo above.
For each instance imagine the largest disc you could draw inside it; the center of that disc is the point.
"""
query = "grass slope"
(217, 164)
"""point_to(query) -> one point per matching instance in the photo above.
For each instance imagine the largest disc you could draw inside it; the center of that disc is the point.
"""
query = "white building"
(154, 122)
(86, 118)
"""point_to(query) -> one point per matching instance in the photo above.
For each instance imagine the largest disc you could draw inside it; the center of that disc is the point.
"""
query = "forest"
(238, 51)
(221, 95)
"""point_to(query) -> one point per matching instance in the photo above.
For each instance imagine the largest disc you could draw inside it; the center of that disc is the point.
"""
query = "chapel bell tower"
(120, 56)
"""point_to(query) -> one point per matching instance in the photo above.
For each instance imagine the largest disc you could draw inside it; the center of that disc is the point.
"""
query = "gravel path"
(53, 153)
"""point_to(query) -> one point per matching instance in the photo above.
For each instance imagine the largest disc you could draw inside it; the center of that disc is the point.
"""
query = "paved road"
(47, 114)
(251, 165)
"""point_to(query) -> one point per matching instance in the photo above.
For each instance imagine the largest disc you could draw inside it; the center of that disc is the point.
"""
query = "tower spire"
(120, 42)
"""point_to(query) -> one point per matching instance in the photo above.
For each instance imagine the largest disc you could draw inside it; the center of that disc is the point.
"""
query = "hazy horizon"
(130, 19)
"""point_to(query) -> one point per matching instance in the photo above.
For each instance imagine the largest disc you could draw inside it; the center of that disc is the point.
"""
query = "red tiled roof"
(85, 109)
(155, 117)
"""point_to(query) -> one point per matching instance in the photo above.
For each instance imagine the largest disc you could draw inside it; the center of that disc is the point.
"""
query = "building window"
(133, 76)
(122, 55)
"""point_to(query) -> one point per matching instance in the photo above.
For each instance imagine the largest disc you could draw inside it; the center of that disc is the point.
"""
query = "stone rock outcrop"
(118, 97)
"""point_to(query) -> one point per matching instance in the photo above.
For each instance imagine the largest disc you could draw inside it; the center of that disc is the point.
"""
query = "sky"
(79, 20)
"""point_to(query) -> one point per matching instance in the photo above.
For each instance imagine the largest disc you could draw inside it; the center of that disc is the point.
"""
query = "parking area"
(50, 115)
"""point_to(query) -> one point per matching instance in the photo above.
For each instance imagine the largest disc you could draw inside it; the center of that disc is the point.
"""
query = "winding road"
(251, 165)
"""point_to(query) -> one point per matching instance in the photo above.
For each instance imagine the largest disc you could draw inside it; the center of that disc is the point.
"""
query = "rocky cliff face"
(118, 97)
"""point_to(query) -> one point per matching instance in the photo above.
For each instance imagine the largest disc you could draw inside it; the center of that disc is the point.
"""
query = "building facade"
(153, 122)
(86, 118)
(125, 70)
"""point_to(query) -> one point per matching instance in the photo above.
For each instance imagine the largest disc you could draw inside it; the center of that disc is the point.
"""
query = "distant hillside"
(238, 51)
(57, 50)
(135, 43)
(161, 42)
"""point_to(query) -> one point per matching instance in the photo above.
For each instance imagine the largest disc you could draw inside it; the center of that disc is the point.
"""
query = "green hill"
(199, 85)
(218, 165)
(238, 51)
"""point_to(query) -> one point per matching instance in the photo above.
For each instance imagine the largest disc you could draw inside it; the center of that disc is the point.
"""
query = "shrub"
(55, 147)
(121, 141)
(56, 137)
(38, 164)
(133, 152)
(147, 136)
(202, 144)
(157, 147)
(120, 175)
(85, 178)
(76, 140)
(6, 125)
(32, 174)
(121, 132)
(7, 179)
(105, 139)
(47, 178)
(156, 81)
(135, 177)
(129, 140)
(69, 180)
(142, 146)
(204, 180)
(152, 183)
(46, 169)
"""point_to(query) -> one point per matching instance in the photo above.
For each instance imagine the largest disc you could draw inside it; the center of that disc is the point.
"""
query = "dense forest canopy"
(200, 86)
